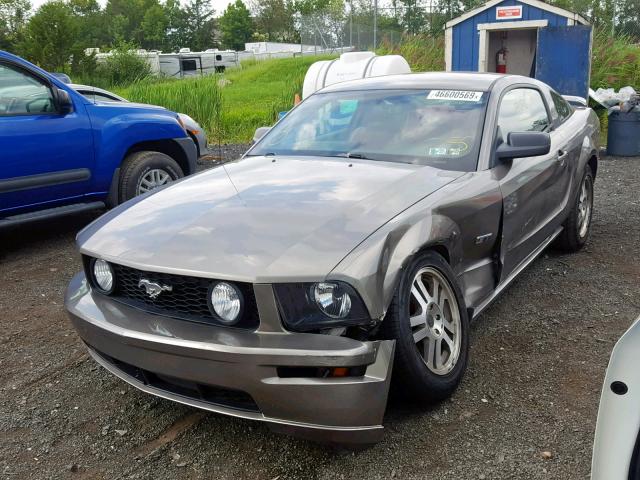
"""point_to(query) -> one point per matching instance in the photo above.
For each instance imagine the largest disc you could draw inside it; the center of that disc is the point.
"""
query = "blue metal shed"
(541, 41)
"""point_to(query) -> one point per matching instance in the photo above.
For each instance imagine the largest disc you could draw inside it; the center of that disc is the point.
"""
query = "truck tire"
(577, 226)
(143, 171)
(429, 322)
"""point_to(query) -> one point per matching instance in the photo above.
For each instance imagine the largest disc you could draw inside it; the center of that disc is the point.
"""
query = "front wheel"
(577, 226)
(145, 171)
(429, 322)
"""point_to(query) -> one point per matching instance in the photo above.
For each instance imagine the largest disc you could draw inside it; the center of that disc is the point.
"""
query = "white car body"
(616, 449)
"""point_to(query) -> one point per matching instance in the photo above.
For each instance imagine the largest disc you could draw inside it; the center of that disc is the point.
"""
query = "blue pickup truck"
(61, 153)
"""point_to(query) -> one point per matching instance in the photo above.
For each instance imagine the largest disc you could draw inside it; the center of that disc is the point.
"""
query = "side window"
(562, 106)
(522, 110)
(189, 65)
(22, 94)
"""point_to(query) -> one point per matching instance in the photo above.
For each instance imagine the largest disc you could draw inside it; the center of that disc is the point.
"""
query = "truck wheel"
(577, 226)
(144, 171)
(430, 324)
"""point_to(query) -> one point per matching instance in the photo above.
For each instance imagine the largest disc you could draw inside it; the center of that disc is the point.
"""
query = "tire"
(576, 232)
(417, 380)
(144, 171)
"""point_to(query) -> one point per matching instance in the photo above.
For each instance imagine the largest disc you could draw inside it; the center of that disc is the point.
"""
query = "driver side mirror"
(63, 101)
(524, 144)
(260, 132)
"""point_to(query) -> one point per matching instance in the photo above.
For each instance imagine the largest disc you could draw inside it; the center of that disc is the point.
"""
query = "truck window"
(23, 94)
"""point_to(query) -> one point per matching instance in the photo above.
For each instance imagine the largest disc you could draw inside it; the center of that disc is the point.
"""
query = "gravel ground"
(538, 357)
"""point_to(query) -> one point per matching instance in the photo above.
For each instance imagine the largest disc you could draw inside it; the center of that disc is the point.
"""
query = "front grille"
(212, 394)
(187, 300)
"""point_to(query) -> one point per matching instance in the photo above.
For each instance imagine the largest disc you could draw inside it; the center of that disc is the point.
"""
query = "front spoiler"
(345, 410)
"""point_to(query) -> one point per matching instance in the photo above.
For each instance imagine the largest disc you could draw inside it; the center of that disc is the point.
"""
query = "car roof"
(444, 80)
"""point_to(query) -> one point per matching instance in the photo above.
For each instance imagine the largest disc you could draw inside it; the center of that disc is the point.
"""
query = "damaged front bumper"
(239, 373)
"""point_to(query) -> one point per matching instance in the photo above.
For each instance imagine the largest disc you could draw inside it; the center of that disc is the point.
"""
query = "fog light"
(103, 276)
(226, 302)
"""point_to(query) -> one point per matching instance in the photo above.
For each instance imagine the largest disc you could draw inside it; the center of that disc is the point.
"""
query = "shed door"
(563, 59)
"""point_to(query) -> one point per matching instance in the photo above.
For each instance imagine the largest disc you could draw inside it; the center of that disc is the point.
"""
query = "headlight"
(103, 276)
(317, 306)
(226, 302)
(332, 299)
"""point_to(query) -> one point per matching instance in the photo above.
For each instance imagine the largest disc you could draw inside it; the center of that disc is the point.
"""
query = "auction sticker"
(459, 95)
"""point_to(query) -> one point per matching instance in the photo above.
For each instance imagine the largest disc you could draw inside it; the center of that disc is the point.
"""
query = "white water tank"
(351, 66)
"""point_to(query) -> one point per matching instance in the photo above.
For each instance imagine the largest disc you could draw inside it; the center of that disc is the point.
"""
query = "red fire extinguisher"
(501, 60)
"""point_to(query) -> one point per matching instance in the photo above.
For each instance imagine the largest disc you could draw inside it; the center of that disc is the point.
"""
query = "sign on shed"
(503, 13)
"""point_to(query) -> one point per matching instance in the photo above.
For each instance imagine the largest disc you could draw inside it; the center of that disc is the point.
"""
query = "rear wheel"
(145, 171)
(577, 226)
(429, 322)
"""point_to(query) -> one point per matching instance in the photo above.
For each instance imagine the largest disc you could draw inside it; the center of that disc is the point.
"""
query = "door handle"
(562, 155)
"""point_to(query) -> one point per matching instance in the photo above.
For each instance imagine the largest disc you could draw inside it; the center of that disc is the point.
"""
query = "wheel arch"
(195, 142)
(593, 163)
(168, 147)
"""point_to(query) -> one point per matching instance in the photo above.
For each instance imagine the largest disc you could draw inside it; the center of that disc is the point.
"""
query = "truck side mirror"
(524, 144)
(260, 132)
(63, 101)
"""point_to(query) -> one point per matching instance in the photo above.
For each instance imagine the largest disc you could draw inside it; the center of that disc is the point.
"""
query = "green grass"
(257, 92)
(231, 106)
(615, 62)
(199, 97)
(424, 53)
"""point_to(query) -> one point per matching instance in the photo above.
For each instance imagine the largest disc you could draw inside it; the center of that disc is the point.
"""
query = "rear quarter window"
(562, 106)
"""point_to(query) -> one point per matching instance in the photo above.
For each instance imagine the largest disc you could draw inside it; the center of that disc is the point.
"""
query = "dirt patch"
(538, 358)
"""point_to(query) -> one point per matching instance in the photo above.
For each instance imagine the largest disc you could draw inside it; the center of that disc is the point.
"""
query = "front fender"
(118, 127)
(375, 266)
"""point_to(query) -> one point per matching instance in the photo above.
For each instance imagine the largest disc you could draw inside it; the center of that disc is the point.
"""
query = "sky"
(218, 5)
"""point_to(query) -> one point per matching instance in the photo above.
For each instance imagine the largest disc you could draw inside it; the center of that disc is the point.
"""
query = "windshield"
(439, 128)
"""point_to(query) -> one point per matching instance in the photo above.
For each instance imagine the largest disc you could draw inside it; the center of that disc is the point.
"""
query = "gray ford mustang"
(358, 237)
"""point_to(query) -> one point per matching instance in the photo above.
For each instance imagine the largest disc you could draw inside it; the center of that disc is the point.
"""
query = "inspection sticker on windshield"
(459, 95)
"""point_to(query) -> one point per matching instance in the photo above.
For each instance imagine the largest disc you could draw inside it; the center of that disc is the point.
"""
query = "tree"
(176, 33)
(13, 17)
(154, 27)
(629, 18)
(236, 26)
(49, 38)
(413, 18)
(199, 24)
(90, 20)
(275, 20)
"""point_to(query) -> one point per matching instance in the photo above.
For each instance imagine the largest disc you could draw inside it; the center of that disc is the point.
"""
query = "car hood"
(132, 105)
(261, 219)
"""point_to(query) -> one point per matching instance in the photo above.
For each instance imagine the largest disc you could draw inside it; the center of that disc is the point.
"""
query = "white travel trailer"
(151, 57)
(186, 63)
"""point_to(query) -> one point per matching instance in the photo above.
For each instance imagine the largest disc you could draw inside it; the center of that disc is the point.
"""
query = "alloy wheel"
(435, 320)
(153, 179)
(585, 204)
